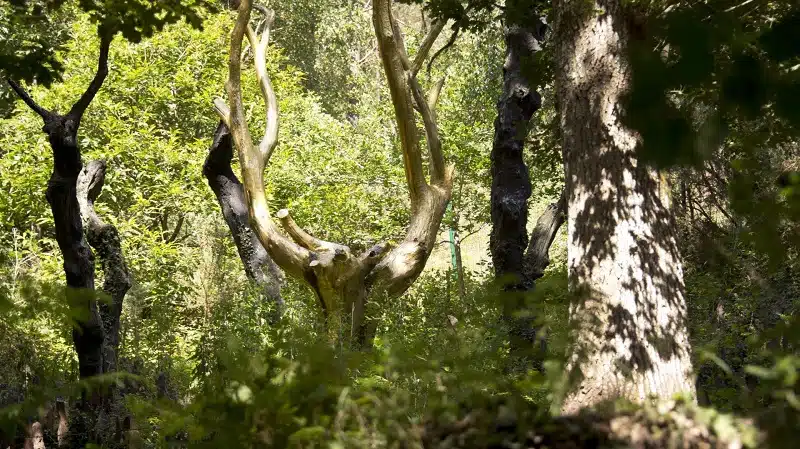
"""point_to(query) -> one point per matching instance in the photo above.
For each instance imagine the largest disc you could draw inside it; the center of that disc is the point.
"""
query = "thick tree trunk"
(628, 311)
(78, 258)
(515, 268)
(258, 266)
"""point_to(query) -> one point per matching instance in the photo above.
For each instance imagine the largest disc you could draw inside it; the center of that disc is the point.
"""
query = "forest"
(399, 224)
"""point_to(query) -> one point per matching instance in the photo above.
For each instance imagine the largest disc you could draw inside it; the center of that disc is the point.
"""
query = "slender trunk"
(628, 312)
(511, 187)
(104, 239)
(258, 266)
(88, 333)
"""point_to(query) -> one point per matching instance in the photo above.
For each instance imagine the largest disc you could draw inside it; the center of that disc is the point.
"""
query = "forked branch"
(77, 110)
(290, 256)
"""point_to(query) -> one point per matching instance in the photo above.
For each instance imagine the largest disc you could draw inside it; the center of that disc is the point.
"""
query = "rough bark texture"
(62, 132)
(344, 281)
(516, 268)
(628, 311)
(71, 192)
(104, 239)
(258, 266)
(511, 185)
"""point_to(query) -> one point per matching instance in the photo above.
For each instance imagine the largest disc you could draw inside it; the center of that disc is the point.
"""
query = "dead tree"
(62, 132)
(258, 266)
(518, 261)
(342, 280)
(71, 193)
(104, 239)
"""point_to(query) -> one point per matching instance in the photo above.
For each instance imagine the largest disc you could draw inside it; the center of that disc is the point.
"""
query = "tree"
(342, 280)
(628, 310)
(258, 266)
(518, 261)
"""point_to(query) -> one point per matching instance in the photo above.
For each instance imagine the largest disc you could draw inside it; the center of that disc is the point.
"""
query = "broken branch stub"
(342, 280)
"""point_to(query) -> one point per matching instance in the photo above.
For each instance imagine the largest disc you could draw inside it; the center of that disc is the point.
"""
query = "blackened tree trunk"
(515, 269)
(96, 332)
(258, 266)
(104, 238)
(628, 311)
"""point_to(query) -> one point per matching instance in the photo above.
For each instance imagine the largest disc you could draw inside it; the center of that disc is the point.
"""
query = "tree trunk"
(88, 334)
(628, 312)
(344, 282)
(515, 268)
(258, 266)
(104, 238)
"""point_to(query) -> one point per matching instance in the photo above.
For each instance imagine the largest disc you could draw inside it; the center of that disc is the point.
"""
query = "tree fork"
(342, 280)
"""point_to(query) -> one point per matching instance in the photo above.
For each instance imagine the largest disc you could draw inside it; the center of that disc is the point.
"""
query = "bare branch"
(270, 140)
(223, 111)
(77, 110)
(444, 48)
(177, 231)
(537, 257)
(290, 256)
(393, 64)
(431, 132)
(427, 43)
(433, 94)
(297, 233)
(43, 113)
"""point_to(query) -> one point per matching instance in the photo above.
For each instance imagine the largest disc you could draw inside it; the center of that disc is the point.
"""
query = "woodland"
(399, 224)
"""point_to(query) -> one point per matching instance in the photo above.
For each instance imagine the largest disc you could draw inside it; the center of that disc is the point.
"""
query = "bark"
(62, 131)
(628, 312)
(537, 256)
(343, 281)
(104, 239)
(88, 333)
(258, 266)
(35, 436)
(516, 268)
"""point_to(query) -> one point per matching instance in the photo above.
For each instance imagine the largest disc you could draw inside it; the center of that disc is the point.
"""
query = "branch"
(43, 113)
(444, 48)
(290, 256)
(102, 71)
(537, 255)
(393, 64)
(427, 43)
(270, 140)
(431, 130)
(297, 233)
(176, 232)
(223, 111)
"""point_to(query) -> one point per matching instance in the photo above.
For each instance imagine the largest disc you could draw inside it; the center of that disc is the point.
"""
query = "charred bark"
(62, 131)
(258, 266)
(518, 262)
(89, 333)
(104, 239)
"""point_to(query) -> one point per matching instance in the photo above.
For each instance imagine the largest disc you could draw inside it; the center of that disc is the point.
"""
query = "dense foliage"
(201, 362)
